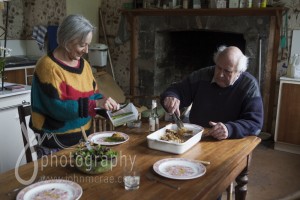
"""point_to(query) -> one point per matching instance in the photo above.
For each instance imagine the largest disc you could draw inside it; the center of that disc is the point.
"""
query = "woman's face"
(77, 48)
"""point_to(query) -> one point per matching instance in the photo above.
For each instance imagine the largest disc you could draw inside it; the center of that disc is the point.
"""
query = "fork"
(14, 192)
(153, 178)
(178, 121)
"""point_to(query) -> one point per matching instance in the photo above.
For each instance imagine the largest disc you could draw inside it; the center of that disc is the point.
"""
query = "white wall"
(23, 47)
(89, 9)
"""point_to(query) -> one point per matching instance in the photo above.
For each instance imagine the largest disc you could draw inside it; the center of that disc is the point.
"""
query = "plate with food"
(51, 189)
(108, 138)
(179, 168)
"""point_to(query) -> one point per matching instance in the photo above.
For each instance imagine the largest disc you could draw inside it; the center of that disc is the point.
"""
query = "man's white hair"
(242, 62)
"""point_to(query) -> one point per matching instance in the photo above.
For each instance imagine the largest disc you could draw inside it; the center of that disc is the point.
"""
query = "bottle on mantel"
(153, 117)
(138, 4)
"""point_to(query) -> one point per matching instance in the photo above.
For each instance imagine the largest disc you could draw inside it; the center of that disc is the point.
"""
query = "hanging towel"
(39, 33)
(123, 34)
(52, 34)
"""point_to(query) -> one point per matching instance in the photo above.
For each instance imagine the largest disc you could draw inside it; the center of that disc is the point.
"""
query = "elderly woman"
(64, 92)
(224, 97)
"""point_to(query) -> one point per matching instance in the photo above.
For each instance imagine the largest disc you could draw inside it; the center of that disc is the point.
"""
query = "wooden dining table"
(229, 161)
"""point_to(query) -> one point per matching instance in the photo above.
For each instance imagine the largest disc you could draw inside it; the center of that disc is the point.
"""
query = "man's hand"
(172, 105)
(218, 130)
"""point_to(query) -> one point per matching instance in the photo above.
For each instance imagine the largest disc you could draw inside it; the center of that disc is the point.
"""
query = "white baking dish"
(154, 141)
(130, 108)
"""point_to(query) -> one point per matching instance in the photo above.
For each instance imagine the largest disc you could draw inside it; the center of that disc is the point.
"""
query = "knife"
(178, 121)
(121, 107)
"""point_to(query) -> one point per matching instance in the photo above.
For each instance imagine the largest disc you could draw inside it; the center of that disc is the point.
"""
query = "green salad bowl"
(94, 160)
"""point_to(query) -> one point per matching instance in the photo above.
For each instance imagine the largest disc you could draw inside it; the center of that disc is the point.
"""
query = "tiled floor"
(273, 175)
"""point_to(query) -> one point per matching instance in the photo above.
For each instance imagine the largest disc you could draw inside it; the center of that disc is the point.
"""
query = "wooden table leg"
(241, 187)
(242, 181)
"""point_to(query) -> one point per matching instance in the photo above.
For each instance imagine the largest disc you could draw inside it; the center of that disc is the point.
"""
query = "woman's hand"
(108, 104)
(172, 105)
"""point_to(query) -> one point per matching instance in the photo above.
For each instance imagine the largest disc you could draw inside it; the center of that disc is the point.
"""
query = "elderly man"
(224, 97)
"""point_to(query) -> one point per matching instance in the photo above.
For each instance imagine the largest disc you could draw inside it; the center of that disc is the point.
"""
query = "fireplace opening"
(178, 53)
(194, 49)
(187, 51)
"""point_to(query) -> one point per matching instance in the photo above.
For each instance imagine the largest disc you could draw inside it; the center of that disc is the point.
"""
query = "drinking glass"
(131, 177)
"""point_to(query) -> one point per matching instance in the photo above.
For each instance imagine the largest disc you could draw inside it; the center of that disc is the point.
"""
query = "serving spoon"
(87, 142)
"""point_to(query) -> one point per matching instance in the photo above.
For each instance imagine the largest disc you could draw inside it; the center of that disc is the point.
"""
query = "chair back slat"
(24, 111)
(100, 124)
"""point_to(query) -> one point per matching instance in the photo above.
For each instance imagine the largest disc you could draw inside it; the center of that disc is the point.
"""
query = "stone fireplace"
(171, 47)
(153, 65)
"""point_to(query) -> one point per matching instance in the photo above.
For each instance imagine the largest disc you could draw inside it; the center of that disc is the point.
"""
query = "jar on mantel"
(196, 4)
(185, 4)
(138, 3)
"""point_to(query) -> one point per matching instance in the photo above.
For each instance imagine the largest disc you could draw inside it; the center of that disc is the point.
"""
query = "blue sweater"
(238, 106)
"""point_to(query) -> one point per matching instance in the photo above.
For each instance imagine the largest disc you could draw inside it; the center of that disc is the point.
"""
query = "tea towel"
(39, 33)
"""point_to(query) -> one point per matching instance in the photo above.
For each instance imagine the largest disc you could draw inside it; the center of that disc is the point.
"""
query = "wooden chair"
(229, 191)
(101, 123)
(24, 111)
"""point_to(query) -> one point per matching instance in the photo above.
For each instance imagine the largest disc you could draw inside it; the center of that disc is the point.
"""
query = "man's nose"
(221, 73)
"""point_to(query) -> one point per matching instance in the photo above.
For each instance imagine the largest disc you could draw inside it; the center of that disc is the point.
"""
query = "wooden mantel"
(207, 12)
(274, 37)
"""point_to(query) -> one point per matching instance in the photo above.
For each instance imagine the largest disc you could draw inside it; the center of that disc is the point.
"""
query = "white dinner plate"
(179, 168)
(51, 189)
(99, 138)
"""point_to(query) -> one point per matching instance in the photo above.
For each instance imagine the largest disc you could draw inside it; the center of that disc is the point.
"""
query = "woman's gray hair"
(242, 62)
(73, 27)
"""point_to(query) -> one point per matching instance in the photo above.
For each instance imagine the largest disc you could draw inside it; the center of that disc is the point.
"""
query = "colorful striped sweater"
(62, 97)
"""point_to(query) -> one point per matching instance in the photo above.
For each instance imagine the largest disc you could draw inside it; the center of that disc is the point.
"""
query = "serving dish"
(127, 114)
(154, 139)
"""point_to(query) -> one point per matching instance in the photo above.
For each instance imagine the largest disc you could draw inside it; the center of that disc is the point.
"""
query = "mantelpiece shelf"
(207, 12)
